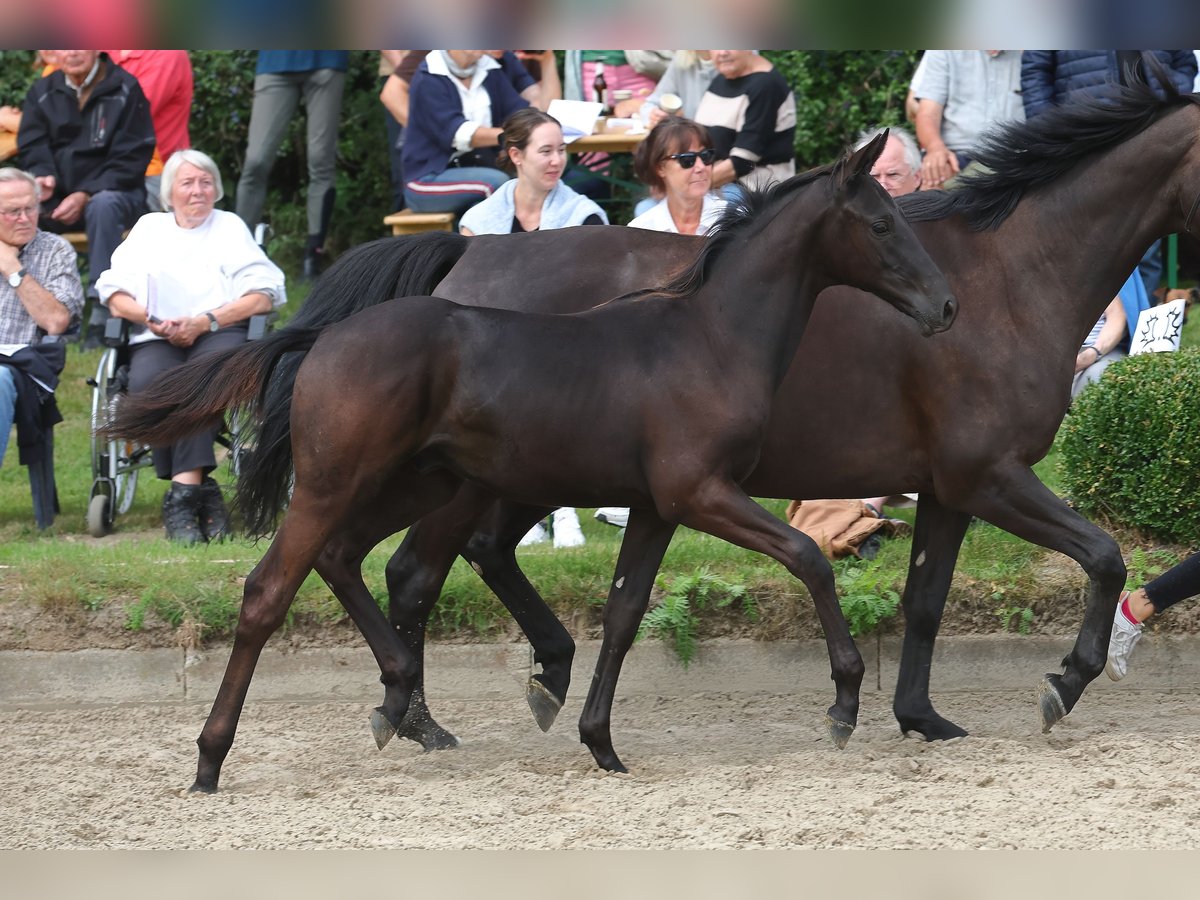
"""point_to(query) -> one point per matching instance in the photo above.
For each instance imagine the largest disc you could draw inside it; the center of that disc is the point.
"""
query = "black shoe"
(214, 517)
(869, 549)
(181, 513)
(312, 265)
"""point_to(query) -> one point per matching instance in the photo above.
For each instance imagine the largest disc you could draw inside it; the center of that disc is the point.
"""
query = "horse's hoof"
(839, 732)
(932, 728)
(544, 704)
(381, 727)
(198, 788)
(1051, 704)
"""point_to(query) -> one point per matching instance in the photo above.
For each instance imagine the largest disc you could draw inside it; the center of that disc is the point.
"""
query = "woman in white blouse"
(188, 280)
(676, 162)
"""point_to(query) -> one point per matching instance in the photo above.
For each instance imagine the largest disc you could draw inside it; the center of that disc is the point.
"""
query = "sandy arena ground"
(708, 771)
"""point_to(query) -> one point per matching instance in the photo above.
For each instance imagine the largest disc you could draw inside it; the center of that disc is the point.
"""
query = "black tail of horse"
(362, 277)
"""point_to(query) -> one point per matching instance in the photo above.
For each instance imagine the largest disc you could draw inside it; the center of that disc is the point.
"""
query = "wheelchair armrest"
(260, 324)
(116, 332)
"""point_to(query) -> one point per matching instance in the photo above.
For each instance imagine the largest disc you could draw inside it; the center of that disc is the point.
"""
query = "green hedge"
(1130, 447)
(837, 95)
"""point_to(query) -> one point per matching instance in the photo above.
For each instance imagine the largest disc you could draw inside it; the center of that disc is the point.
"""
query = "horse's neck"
(1075, 242)
(760, 294)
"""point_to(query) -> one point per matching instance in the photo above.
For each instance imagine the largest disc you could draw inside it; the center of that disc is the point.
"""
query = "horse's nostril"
(949, 310)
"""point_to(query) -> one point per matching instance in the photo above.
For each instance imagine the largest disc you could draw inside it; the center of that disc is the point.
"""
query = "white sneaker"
(535, 535)
(613, 515)
(1125, 636)
(566, 528)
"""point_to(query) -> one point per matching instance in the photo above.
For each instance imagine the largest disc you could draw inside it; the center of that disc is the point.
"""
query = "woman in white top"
(188, 280)
(676, 162)
(532, 145)
(536, 200)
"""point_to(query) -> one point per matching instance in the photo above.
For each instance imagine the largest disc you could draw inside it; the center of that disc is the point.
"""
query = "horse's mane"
(740, 216)
(1025, 155)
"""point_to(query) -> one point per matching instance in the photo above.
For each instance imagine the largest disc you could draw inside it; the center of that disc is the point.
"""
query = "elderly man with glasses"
(40, 294)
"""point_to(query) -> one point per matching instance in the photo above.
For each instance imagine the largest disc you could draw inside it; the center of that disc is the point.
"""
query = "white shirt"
(658, 217)
(176, 272)
(476, 101)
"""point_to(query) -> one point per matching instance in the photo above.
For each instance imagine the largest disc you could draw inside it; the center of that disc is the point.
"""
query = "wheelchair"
(117, 462)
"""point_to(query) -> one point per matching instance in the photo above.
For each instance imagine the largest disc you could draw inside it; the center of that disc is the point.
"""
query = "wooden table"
(8, 145)
(616, 142)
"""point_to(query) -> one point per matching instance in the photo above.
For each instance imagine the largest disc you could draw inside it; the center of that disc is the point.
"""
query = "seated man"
(87, 137)
(39, 293)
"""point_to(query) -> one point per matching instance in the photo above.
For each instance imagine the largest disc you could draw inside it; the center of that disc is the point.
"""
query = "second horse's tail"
(363, 277)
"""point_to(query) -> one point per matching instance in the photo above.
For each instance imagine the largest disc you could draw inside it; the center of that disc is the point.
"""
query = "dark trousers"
(149, 360)
(1175, 584)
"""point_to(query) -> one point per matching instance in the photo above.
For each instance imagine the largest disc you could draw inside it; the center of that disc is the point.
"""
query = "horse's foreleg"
(491, 551)
(1019, 503)
(646, 540)
(722, 509)
(936, 540)
(269, 591)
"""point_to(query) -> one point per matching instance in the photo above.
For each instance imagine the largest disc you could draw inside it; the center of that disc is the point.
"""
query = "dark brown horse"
(1035, 251)
(395, 406)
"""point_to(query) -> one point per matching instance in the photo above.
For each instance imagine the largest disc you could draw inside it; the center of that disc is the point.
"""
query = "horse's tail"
(362, 277)
(195, 396)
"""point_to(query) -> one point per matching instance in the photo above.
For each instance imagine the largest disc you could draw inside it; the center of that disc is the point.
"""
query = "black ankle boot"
(214, 517)
(181, 513)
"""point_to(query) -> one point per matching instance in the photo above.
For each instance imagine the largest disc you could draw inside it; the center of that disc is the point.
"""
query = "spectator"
(87, 137)
(620, 72)
(188, 280)
(1110, 337)
(539, 91)
(962, 93)
(165, 77)
(281, 78)
(898, 168)
(389, 64)
(450, 142)
(750, 113)
(676, 163)
(687, 77)
(1135, 607)
(40, 293)
(10, 116)
(1053, 77)
(535, 200)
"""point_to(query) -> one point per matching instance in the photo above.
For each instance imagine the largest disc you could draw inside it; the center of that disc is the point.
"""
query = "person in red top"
(166, 79)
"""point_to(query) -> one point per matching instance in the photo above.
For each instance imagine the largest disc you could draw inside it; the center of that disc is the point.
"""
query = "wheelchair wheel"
(99, 515)
(114, 462)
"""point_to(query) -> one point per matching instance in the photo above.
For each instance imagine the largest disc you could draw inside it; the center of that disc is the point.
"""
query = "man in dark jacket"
(1053, 77)
(87, 137)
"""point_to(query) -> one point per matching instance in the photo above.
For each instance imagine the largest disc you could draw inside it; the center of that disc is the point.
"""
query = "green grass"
(63, 569)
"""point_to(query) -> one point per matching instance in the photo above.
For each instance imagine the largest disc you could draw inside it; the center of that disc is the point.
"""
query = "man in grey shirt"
(961, 94)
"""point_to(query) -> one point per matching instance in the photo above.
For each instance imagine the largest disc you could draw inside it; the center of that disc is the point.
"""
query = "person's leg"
(275, 99)
(455, 190)
(1151, 267)
(153, 200)
(323, 104)
(1176, 584)
(1092, 373)
(395, 144)
(106, 218)
(8, 406)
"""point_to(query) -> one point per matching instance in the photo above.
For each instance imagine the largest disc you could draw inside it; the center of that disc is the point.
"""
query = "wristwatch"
(15, 278)
(212, 322)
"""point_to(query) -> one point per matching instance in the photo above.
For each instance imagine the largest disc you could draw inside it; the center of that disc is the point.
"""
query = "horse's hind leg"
(936, 540)
(646, 540)
(269, 591)
(491, 551)
(415, 575)
(722, 509)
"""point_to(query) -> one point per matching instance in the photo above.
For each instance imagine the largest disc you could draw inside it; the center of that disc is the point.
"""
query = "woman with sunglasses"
(676, 162)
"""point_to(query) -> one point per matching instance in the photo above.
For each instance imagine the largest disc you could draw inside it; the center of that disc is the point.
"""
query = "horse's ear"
(860, 161)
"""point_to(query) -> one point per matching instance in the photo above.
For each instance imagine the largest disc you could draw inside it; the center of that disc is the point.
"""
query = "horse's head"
(870, 246)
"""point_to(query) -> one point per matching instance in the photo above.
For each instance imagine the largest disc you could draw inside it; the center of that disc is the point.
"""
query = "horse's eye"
(881, 227)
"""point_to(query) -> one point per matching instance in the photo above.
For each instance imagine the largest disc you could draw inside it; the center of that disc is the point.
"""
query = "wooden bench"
(77, 239)
(408, 222)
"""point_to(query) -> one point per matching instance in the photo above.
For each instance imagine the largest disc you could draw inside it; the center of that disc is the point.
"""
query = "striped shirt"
(50, 260)
(752, 122)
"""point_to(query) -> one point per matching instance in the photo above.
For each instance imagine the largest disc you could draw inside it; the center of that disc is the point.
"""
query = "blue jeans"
(454, 190)
(8, 406)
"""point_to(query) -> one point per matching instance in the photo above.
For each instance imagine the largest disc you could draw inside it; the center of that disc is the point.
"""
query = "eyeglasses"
(688, 160)
(30, 212)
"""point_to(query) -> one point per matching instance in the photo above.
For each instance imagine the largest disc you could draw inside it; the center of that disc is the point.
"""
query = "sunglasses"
(688, 160)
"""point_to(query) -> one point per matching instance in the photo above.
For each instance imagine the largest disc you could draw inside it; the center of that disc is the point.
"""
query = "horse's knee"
(1105, 563)
(263, 609)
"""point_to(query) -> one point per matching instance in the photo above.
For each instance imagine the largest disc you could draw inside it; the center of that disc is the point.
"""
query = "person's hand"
(183, 332)
(46, 185)
(9, 261)
(657, 114)
(10, 118)
(939, 166)
(70, 209)
(1088, 356)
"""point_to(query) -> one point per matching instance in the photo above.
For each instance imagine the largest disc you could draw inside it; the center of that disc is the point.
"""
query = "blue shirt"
(271, 61)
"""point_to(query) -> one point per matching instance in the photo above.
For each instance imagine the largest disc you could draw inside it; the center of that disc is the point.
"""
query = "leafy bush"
(674, 618)
(864, 598)
(1131, 445)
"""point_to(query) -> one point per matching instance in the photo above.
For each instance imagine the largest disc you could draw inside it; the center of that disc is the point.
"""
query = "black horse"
(396, 406)
(1035, 250)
